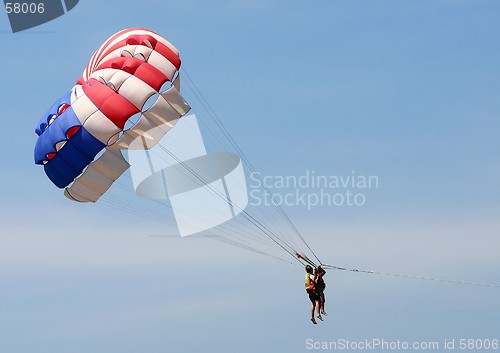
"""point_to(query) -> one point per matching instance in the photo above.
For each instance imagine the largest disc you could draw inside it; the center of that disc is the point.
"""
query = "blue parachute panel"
(72, 159)
(44, 121)
(54, 133)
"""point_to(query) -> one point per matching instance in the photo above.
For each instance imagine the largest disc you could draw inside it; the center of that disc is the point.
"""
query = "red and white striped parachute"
(130, 68)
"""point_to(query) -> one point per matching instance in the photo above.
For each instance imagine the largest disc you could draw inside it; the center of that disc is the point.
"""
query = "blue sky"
(406, 91)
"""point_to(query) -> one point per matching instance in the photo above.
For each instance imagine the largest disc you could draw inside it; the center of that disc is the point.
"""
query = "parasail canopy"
(81, 135)
(126, 101)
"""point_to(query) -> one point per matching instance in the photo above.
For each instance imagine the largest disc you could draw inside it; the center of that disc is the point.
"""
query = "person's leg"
(318, 305)
(312, 313)
(313, 306)
(323, 303)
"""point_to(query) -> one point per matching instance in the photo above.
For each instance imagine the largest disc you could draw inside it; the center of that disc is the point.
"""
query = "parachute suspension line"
(129, 207)
(123, 204)
(120, 203)
(199, 96)
(288, 220)
(223, 144)
(255, 236)
(127, 188)
(258, 224)
(141, 210)
(224, 130)
(412, 276)
(252, 219)
(131, 210)
(160, 202)
(306, 259)
(243, 246)
(228, 229)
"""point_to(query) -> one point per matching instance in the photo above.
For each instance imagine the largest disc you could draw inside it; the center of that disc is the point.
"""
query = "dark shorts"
(314, 296)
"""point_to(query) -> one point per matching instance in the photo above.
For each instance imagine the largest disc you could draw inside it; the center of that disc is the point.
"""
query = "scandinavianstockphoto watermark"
(381, 344)
(311, 189)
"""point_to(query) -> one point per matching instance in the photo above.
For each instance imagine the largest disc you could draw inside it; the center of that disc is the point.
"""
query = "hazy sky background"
(405, 90)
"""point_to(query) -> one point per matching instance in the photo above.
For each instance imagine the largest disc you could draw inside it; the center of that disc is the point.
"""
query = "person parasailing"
(320, 286)
(310, 282)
